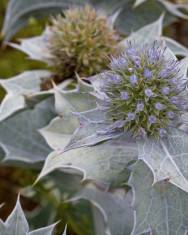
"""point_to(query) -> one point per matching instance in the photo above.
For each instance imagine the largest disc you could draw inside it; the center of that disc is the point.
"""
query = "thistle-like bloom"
(141, 91)
(81, 41)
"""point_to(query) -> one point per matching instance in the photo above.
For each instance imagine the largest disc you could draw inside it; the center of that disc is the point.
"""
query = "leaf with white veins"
(160, 209)
(167, 158)
(22, 89)
(176, 47)
(16, 224)
(175, 9)
(105, 162)
(58, 133)
(115, 208)
(153, 32)
(77, 100)
(19, 136)
(35, 48)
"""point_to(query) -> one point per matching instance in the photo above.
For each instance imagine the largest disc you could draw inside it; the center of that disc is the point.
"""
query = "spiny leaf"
(115, 208)
(89, 132)
(177, 48)
(106, 162)
(58, 133)
(21, 90)
(35, 48)
(19, 135)
(175, 9)
(153, 32)
(47, 231)
(17, 224)
(76, 100)
(167, 158)
(138, 2)
(159, 209)
(131, 19)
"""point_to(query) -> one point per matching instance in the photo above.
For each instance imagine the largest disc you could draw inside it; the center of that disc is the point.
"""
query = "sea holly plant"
(114, 124)
(140, 113)
(17, 224)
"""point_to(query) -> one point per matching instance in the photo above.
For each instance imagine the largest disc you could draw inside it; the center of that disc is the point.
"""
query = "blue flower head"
(143, 93)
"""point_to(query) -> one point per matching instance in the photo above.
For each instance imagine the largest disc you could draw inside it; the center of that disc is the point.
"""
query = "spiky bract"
(143, 91)
(81, 41)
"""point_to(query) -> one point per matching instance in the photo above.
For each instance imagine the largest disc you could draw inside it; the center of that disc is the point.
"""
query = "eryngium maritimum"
(143, 91)
(81, 41)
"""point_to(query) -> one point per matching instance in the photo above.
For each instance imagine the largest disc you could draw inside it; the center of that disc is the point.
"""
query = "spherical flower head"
(144, 97)
(81, 41)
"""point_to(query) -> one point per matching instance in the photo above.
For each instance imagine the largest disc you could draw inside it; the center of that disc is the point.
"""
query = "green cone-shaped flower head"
(81, 41)
(143, 91)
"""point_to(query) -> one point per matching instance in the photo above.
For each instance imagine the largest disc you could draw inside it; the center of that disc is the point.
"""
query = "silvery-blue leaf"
(131, 19)
(153, 32)
(22, 89)
(92, 116)
(98, 80)
(65, 231)
(176, 47)
(58, 133)
(138, 2)
(98, 221)
(90, 133)
(167, 158)
(111, 7)
(19, 136)
(105, 162)
(159, 209)
(175, 9)
(35, 47)
(115, 207)
(44, 231)
(77, 100)
(2, 227)
(16, 224)
(183, 67)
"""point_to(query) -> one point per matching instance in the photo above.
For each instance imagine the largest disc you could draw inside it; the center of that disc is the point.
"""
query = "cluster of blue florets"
(142, 92)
